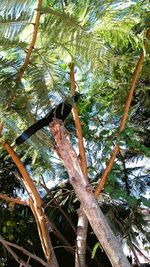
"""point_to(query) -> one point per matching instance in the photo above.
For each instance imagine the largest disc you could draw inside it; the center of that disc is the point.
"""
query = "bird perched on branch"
(60, 112)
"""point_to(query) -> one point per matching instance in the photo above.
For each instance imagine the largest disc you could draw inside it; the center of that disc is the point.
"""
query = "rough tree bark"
(89, 204)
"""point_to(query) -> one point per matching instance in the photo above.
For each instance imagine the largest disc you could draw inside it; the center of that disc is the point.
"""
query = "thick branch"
(124, 118)
(88, 202)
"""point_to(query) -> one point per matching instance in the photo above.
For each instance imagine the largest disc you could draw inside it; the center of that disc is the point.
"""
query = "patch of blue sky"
(124, 4)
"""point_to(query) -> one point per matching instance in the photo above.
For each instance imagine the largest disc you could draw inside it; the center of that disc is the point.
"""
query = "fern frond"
(14, 16)
(18, 6)
(85, 34)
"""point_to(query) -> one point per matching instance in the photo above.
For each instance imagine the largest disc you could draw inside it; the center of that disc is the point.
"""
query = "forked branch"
(35, 203)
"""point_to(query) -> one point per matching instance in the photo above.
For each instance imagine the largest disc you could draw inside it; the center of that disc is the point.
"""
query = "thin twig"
(140, 252)
(26, 252)
(20, 261)
(53, 199)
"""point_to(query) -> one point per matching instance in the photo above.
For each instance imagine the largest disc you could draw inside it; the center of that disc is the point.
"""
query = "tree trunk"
(89, 204)
(81, 239)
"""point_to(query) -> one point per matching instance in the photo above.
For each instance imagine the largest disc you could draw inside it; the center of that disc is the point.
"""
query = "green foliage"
(14, 16)
(97, 245)
(8, 172)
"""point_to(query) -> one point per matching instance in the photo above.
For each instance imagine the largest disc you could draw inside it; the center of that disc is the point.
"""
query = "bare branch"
(89, 204)
(14, 200)
(20, 261)
(82, 225)
(29, 50)
(124, 118)
(78, 124)
(34, 37)
(26, 252)
(35, 204)
(1, 128)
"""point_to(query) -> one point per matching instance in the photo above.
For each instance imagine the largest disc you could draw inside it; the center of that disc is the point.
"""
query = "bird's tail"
(30, 131)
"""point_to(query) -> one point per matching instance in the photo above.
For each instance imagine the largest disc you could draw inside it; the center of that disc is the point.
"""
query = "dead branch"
(26, 252)
(89, 204)
(54, 200)
(20, 261)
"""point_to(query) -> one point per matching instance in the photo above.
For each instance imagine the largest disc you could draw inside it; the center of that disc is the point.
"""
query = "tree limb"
(29, 50)
(82, 226)
(124, 118)
(34, 37)
(20, 261)
(35, 204)
(1, 128)
(89, 204)
(14, 200)
(78, 124)
(26, 252)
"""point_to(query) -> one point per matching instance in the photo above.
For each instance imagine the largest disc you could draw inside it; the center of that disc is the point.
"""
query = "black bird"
(60, 112)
